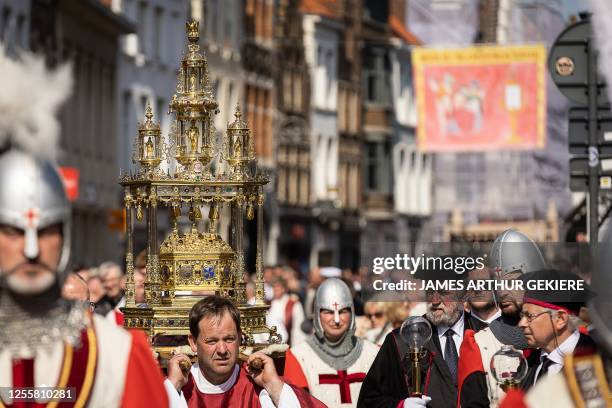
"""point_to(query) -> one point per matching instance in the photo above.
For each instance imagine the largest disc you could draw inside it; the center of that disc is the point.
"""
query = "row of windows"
(160, 31)
(348, 181)
(293, 186)
(349, 111)
(292, 91)
(87, 120)
(376, 76)
(259, 112)
(260, 12)
(220, 17)
(377, 167)
(325, 77)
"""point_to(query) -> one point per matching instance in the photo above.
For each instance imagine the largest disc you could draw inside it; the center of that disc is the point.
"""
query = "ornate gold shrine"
(200, 172)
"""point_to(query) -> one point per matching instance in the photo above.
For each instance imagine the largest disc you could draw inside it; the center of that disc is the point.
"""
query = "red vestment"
(243, 394)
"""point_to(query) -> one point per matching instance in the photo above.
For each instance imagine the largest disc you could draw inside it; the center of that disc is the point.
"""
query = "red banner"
(480, 98)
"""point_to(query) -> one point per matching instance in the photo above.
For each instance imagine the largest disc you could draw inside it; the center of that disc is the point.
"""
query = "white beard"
(448, 318)
(18, 286)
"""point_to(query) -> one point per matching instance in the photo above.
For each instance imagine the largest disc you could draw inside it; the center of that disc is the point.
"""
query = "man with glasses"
(550, 323)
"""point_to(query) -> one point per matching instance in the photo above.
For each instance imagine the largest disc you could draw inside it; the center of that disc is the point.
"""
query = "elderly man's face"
(538, 324)
(217, 346)
(113, 283)
(30, 276)
(443, 307)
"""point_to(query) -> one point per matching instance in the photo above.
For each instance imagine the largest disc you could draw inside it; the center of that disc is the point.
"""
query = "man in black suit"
(388, 382)
(550, 323)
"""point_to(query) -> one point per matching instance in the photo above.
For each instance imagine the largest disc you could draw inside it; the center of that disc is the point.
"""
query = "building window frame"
(377, 171)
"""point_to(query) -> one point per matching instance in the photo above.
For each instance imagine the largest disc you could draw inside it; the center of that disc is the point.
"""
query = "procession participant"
(482, 303)
(333, 362)
(286, 308)
(218, 379)
(75, 288)
(550, 323)
(44, 338)
(376, 312)
(386, 384)
(114, 282)
(512, 255)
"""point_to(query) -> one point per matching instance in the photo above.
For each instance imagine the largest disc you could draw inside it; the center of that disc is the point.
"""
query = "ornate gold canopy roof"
(200, 173)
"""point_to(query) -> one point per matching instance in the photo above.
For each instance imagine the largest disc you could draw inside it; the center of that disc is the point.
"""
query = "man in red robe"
(218, 380)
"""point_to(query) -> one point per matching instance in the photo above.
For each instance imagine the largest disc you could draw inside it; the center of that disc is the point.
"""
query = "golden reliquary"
(200, 173)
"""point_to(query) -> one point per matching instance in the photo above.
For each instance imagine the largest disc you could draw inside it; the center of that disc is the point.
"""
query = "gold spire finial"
(149, 112)
(193, 33)
(238, 114)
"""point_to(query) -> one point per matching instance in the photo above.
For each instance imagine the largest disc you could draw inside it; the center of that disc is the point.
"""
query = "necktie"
(450, 354)
(545, 365)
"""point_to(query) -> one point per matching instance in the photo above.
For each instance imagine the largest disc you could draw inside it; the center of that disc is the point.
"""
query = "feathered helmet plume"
(30, 96)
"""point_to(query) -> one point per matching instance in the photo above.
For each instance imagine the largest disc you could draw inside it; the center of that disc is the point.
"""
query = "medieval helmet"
(32, 194)
(334, 295)
(33, 197)
(514, 251)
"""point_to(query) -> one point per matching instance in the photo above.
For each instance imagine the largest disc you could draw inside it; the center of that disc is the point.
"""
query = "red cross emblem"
(344, 380)
(335, 305)
(31, 216)
(498, 270)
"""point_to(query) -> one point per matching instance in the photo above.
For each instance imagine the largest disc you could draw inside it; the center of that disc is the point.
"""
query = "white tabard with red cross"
(332, 387)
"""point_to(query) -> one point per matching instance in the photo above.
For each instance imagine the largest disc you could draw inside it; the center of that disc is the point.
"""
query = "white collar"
(490, 319)
(564, 349)
(457, 327)
(206, 387)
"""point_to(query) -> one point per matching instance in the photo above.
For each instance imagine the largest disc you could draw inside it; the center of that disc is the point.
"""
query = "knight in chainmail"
(45, 340)
(333, 362)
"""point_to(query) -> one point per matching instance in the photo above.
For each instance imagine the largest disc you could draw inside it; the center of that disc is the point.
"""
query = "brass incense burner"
(201, 174)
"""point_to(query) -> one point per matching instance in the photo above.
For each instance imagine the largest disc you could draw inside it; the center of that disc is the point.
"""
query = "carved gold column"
(129, 255)
(259, 282)
(238, 232)
(152, 258)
